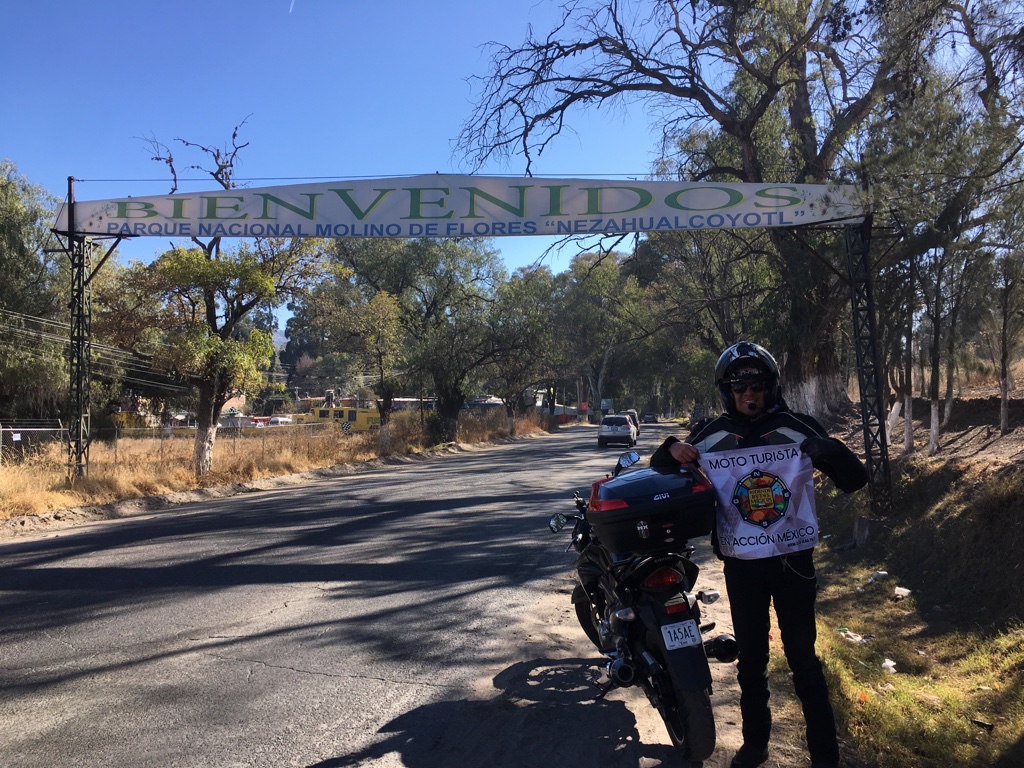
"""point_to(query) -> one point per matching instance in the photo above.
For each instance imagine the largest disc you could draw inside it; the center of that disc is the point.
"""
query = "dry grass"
(133, 468)
(957, 640)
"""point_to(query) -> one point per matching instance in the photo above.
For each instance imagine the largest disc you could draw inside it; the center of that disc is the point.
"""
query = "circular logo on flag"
(761, 498)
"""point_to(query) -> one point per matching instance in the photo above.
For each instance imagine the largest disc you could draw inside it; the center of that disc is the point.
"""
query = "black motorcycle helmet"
(746, 360)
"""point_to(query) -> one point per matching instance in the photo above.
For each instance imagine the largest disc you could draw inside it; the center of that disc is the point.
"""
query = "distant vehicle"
(650, 418)
(280, 421)
(618, 428)
(351, 418)
(634, 417)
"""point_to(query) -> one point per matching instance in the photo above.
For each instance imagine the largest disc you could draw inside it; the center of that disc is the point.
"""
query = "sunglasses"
(740, 387)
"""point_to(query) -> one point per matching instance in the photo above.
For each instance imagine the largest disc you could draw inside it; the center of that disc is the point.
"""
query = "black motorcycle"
(635, 597)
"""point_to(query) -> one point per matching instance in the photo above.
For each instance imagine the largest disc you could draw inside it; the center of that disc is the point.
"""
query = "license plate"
(681, 635)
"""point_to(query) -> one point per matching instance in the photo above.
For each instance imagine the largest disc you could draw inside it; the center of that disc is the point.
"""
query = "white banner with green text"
(466, 206)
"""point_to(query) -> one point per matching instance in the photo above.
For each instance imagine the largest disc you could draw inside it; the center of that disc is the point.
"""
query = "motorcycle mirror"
(557, 522)
(628, 459)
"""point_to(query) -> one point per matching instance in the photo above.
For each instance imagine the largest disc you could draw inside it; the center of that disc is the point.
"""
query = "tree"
(210, 290)
(943, 158)
(775, 90)
(33, 296)
(524, 337)
(324, 349)
(599, 308)
(1005, 324)
(33, 283)
(446, 292)
(382, 338)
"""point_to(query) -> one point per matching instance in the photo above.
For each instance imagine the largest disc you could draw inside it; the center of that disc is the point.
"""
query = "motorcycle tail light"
(701, 483)
(604, 505)
(677, 607)
(662, 578)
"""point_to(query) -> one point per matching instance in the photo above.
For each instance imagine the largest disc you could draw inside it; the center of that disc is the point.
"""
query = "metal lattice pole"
(81, 347)
(858, 238)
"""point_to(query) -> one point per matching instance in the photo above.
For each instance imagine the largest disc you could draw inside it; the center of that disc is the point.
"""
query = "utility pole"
(858, 240)
(80, 358)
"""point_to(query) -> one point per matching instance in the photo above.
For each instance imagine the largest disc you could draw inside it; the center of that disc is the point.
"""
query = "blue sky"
(331, 89)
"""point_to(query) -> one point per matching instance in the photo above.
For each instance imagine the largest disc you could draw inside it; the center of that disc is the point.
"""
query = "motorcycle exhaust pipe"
(622, 673)
(722, 648)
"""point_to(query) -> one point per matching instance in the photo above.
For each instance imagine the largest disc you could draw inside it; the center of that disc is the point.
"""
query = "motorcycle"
(635, 599)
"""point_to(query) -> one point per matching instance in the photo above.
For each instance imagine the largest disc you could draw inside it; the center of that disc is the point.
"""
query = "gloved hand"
(821, 448)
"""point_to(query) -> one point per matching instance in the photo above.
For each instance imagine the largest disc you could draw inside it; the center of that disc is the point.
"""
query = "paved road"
(345, 622)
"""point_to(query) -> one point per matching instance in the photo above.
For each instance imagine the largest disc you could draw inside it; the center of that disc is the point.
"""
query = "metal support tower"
(858, 240)
(81, 346)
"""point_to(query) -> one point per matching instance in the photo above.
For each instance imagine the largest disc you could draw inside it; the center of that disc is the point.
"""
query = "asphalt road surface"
(388, 618)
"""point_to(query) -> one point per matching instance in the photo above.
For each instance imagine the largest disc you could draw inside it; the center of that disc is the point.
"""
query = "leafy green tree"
(599, 318)
(383, 348)
(324, 349)
(524, 337)
(210, 292)
(1003, 328)
(446, 291)
(33, 301)
(33, 283)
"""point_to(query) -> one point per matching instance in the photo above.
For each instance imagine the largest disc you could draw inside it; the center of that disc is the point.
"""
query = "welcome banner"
(465, 206)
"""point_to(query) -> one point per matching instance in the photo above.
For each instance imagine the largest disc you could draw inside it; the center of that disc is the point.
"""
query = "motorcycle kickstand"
(604, 689)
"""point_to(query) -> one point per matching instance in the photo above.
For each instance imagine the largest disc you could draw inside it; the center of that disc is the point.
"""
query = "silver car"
(618, 428)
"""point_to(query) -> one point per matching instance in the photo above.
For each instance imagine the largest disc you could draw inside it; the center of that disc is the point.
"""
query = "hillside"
(955, 642)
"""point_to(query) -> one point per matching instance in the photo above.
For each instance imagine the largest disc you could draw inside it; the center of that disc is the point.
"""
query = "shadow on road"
(545, 713)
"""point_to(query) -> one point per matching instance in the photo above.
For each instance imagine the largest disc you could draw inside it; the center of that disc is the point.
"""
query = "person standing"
(765, 533)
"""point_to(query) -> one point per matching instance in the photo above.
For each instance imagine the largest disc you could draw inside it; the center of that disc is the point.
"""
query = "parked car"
(650, 418)
(618, 428)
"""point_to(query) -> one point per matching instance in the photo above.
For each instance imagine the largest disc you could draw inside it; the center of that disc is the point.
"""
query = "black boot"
(747, 757)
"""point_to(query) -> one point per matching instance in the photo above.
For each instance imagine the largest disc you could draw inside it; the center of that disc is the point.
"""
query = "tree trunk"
(1004, 406)
(1004, 372)
(211, 401)
(813, 382)
(934, 430)
(894, 414)
(908, 398)
(203, 453)
(449, 406)
(947, 411)
(384, 439)
(819, 396)
(908, 423)
(384, 405)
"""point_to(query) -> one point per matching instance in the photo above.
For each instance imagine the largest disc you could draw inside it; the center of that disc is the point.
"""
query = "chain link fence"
(21, 440)
(312, 442)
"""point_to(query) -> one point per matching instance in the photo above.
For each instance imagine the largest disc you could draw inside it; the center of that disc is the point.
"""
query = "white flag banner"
(765, 500)
(465, 206)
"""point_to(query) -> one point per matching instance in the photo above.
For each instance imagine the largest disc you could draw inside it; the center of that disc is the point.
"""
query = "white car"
(617, 428)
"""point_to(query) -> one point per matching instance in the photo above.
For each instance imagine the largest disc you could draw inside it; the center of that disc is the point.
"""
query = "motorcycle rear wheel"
(587, 615)
(690, 723)
(688, 716)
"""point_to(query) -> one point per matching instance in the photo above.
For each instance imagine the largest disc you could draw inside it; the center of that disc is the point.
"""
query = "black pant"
(788, 581)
